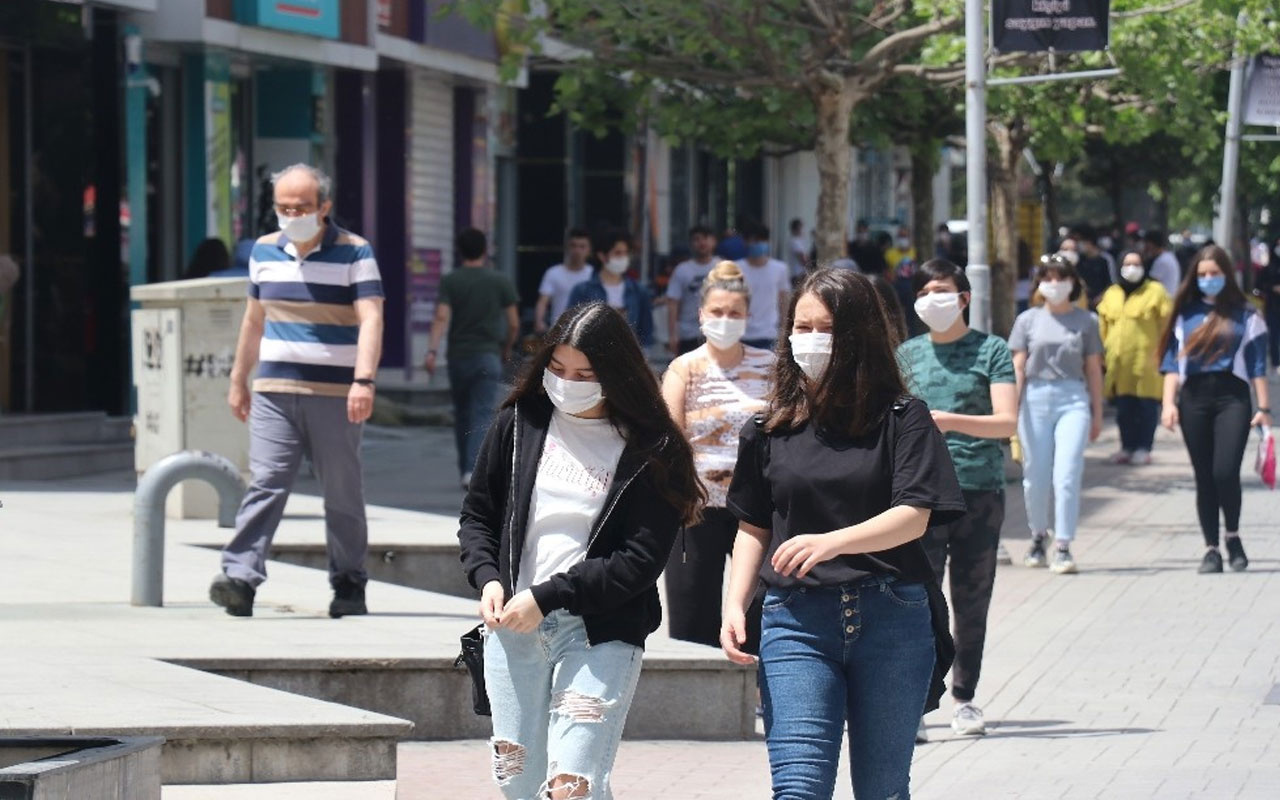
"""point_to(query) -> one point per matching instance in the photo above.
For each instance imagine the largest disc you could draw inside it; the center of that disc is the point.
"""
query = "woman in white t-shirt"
(578, 493)
(712, 392)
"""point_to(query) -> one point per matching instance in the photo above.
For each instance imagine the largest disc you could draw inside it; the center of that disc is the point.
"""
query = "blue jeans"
(558, 706)
(1137, 418)
(862, 653)
(1053, 426)
(473, 383)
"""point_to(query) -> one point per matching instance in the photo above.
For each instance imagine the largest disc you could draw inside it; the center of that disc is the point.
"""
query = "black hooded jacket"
(614, 589)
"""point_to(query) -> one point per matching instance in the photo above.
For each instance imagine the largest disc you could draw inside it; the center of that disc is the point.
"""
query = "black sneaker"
(1235, 554)
(233, 594)
(348, 599)
(1212, 562)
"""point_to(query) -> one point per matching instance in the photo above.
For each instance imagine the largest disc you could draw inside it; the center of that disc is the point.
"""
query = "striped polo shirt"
(309, 339)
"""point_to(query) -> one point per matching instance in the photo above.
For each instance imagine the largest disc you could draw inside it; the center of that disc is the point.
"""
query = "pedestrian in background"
(1057, 355)
(1096, 267)
(1162, 265)
(834, 488)
(473, 301)
(580, 490)
(1214, 348)
(711, 393)
(1131, 318)
(313, 329)
(900, 249)
(770, 287)
(559, 281)
(797, 251)
(612, 286)
(1269, 287)
(684, 292)
(966, 378)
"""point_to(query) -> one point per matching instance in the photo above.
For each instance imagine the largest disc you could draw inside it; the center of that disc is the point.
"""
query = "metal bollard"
(148, 512)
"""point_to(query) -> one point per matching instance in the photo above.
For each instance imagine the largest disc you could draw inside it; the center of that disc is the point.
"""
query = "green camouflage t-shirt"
(957, 377)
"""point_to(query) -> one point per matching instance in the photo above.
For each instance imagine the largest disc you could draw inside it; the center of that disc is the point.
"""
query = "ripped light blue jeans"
(558, 705)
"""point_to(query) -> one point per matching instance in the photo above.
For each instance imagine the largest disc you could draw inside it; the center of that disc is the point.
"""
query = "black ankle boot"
(1235, 552)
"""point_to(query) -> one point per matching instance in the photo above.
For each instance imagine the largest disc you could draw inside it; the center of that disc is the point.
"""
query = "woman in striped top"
(1214, 348)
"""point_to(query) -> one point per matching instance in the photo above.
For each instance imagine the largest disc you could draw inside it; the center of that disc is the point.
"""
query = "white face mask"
(618, 265)
(904, 243)
(724, 332)
(301, 228)
(939, 310)
(571, 397)
(1055, 292)
(1133, 273)
(812, 353)
(1071, 255)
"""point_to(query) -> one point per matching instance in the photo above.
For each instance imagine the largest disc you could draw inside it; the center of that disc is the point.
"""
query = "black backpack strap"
(900, 405)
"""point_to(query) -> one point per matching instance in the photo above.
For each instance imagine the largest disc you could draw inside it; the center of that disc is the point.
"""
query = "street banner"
(1035, 26)
(1262, 95)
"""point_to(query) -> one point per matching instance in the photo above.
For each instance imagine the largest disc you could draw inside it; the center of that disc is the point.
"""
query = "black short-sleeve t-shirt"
(811, 481)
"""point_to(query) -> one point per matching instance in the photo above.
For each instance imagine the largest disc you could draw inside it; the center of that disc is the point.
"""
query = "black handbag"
(472, 657)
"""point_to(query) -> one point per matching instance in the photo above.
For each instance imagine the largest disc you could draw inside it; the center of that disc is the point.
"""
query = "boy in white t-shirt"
(684, 292)
(558, 281)
(770, 288)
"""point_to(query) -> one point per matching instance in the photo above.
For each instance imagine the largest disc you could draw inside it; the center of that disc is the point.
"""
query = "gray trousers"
(282, 428)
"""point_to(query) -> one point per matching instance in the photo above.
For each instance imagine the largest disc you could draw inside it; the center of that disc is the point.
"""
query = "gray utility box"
(80, 768)
(184, 344)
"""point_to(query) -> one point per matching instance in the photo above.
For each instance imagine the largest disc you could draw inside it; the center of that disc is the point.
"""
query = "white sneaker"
(922, 735)
(466, 480)
(1141, 458)
(1122, 457)
(967, 720)
(1002, 555)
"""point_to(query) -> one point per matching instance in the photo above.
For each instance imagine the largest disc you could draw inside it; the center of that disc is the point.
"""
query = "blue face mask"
(1212, 286)
(757, 249)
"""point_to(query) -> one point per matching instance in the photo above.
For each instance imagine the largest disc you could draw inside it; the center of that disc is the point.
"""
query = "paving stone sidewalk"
(1136, 678)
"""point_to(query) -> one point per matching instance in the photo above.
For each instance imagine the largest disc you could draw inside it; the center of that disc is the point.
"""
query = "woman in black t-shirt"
(834, 487)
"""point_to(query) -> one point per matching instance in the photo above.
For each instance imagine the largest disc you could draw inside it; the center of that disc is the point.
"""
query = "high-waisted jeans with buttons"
(861, 653)
(558, 705)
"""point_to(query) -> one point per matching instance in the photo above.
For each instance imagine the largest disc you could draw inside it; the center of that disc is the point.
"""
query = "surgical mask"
(757, 250)
(904, 243)
(939, 310)
(1055, 292)
(1133, 273)
(618, 265)
(299, 229)
(1211, 285)
(571, 397)
(1071, 256)
(724, 332)
(812, 353)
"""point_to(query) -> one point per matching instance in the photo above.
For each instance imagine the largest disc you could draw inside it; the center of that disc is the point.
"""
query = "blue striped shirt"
(1243, 354)
(309, 339)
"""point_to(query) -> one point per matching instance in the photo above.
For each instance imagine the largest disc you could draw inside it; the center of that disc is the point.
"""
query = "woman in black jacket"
(579, 491)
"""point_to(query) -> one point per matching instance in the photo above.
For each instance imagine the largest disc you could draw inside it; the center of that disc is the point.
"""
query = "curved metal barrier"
(148, 512)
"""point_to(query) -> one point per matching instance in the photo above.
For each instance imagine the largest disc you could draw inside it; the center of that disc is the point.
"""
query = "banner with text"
(1262, 97)
(1033, 26)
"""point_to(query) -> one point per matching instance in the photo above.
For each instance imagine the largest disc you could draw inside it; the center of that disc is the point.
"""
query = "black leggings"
(1215, 409)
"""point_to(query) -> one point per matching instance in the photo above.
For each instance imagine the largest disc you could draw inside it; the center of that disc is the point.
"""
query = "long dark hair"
(1213, 337)
(862, 380)
(633, 400)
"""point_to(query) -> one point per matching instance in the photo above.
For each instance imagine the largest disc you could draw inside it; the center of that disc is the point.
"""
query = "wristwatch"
(365, 382)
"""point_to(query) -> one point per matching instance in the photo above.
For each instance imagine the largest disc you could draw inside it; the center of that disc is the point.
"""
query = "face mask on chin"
(812, 353)
(571, 397)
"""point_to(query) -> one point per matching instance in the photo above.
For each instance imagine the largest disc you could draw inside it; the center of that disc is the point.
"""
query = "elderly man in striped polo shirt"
(313, 328)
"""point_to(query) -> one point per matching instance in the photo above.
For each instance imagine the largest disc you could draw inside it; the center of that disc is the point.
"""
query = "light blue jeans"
(559, 705)
(1053, 426)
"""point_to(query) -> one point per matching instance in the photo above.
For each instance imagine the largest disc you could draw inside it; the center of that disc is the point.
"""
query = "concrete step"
(314, 790)
(53, 461)
(431, 567)
(29, 430)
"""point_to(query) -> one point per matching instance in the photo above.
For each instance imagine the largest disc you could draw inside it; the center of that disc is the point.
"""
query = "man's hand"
(239, 398)
(430, 364)
(359, 403)
(800, 554)
(733, 635)
(943, 420)
(521, 615)
(491, 599)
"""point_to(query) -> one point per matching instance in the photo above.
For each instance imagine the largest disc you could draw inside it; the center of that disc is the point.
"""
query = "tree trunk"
(1050, 193)
(924, 163)
(834, 106)
(1003, 172)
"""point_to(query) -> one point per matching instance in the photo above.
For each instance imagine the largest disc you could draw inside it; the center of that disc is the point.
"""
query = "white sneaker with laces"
(1141, 458)
(1002, 554)
(967, 720)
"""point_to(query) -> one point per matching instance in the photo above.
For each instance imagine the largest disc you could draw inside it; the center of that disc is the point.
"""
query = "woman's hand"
(1169, 416)
(1095, 427)
(1261, 419)
(522, 614)
(733, 635)
(491, 599)
(800, 554)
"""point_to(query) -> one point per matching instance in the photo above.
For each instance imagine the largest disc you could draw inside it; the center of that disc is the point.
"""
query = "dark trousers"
(1137, 418)
(1273, 329)
(473, 384)
(970, 544)
(1215, 409)
(695, 577)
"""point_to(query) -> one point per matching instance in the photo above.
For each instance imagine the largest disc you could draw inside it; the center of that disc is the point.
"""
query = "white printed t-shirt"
(558, 283)
(579, 460)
